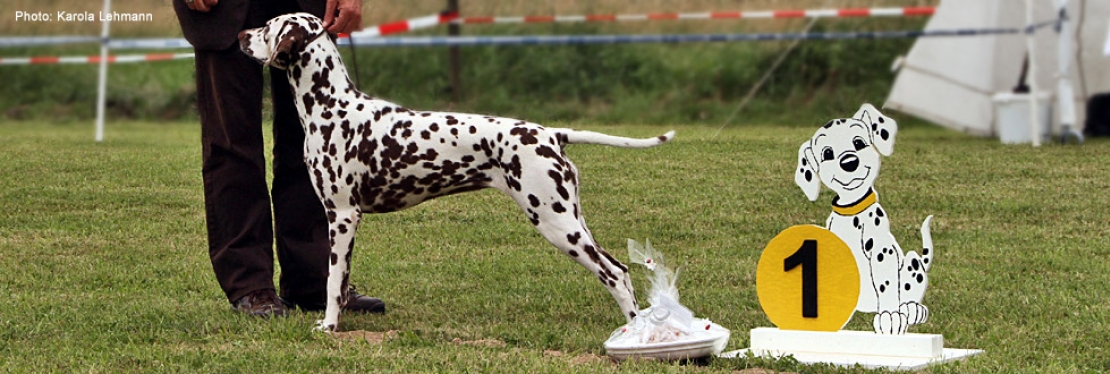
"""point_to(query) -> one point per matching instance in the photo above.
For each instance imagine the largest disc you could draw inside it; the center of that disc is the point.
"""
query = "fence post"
(102, 76)
(453, 54)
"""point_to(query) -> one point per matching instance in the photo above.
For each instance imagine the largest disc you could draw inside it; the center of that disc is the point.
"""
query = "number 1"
(806, 256)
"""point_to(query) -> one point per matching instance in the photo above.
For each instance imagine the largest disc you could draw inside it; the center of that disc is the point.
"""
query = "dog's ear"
(289, 45)
(882, 128)
(806, 176)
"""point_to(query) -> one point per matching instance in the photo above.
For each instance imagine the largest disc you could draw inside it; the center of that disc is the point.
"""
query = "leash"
(354, 61)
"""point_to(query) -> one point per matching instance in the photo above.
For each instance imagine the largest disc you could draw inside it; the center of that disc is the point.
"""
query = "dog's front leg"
(342, 226)
(885, 262)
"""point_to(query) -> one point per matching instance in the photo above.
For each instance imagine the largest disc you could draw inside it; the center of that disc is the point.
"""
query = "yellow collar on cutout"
(855, 208)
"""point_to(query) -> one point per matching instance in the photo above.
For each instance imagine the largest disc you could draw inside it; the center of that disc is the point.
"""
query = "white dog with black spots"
(368, 155)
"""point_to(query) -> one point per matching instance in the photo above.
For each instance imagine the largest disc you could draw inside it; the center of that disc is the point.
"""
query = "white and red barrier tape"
(46, 60)
(176, 43)
(425, 22)
(815, 13)
(410, 24)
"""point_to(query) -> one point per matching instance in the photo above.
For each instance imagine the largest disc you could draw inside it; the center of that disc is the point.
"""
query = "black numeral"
(806, 257)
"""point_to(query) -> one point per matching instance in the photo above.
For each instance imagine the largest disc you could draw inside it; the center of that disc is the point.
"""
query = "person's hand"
(340, 16)
(202, 5)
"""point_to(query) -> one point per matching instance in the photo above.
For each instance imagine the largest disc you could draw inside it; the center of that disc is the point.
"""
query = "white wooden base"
(849, 348)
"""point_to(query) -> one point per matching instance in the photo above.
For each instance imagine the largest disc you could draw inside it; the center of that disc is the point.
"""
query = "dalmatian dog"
(367, 155)
(845, 155)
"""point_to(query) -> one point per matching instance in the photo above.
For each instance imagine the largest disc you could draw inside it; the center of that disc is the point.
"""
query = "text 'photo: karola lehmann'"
(67, 16)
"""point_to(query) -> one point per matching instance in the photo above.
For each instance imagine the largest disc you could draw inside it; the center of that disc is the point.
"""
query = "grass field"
(103, 264)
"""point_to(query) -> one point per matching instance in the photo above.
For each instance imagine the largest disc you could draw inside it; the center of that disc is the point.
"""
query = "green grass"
(103, 264)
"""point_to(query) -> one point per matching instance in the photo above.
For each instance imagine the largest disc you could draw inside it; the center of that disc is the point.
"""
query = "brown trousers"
(242, 229)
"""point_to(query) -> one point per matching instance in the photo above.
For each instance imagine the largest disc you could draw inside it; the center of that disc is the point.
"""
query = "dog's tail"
(926, 244)
(570, 136)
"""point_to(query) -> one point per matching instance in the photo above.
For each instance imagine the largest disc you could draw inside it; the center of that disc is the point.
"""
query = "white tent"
(951, 80)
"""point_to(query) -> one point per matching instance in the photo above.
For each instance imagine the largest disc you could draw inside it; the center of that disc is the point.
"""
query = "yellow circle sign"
(807, 280)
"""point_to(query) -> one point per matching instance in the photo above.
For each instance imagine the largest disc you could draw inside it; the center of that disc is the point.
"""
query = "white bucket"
(1011, 116)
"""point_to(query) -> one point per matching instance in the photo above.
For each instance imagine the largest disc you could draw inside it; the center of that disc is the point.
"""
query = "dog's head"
(845, 154)
(281, 41)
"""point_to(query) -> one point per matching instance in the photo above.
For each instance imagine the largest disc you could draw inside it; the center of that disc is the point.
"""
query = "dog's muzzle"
(244, 41)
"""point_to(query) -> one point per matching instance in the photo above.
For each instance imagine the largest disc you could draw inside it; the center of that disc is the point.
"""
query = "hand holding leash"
(342, 16)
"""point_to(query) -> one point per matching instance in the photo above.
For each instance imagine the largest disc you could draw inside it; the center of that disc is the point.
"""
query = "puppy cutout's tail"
(569, 136)
(926, 243)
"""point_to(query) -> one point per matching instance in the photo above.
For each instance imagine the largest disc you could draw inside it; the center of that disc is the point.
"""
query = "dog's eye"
(859, 143)
(827, 154)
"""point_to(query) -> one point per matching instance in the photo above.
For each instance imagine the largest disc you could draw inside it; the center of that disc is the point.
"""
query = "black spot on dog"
(527, 136)
(592, 253)
(563, 192)
(573, 238)
(547, 152)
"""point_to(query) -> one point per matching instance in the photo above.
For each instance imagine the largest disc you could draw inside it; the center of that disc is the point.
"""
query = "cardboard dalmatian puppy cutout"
(845, 155)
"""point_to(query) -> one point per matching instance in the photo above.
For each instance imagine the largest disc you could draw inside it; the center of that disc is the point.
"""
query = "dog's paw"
(323, 326)
(890, 323)
(916, 313)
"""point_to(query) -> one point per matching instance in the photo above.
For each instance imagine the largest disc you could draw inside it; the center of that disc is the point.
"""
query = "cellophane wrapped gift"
(666, 322)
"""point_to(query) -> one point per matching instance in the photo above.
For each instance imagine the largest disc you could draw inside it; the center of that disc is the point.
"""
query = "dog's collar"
(855, 208)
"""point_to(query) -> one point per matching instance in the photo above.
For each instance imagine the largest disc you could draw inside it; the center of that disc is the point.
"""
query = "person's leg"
(301, 227)
(303, 245)
(237, 205)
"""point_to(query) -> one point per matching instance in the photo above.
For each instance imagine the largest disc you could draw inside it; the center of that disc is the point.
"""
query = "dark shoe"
(259, 303)
(357, 303)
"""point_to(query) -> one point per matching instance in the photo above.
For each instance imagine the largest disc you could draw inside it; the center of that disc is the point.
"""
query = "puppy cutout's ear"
(882, 128)
(806, 175)
(290, 44)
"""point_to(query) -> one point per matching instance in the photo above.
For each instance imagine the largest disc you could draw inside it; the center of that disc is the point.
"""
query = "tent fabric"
(951, 80)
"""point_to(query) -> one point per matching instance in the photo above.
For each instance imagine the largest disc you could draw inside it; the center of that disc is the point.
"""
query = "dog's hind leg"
(342, 225)
(573, 238)
(550, 201)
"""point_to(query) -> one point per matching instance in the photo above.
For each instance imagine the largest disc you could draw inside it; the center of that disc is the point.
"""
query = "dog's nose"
(849, 163)
(242, 35)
